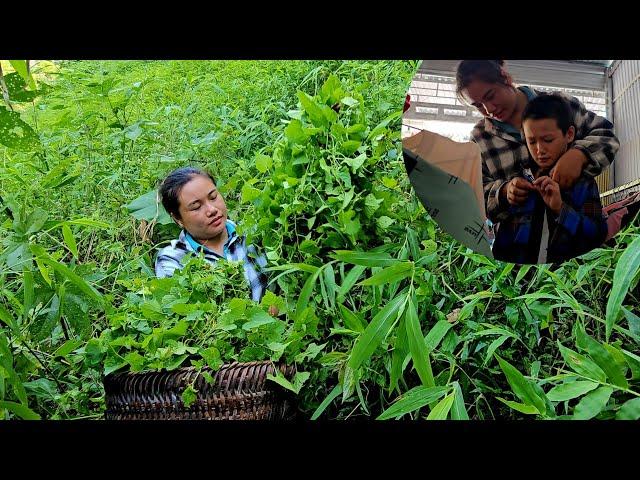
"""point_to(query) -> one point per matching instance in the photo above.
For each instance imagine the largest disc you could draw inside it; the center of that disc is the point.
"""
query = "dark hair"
(172, 185)
(549, 106)
(490, 71)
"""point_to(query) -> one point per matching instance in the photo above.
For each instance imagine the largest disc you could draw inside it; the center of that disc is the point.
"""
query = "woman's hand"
(550, 192)
(517, 190)
(273, 311)
(568, 168)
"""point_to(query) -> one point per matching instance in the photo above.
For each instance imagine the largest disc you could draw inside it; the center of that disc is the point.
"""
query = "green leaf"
(367, 259)
(36, 220)
(313, 110)
(626, 269)
(135, 360)
(298, 380)
(337, 390)
(494, 346)
(75, 279)
(441, 410)
(257, 318)
(592, 404)
(602, 357)
(436, 334)
(412, 400)
(189, 396)
(376, 331)
(568, 391)
(17, 88)
(148, 207)
(633, 361)
(249, 193)
(20, 66)
(309, 246)
(634, 321)
(351, 320)
(7, 318)
(15, 133)
(630, 410)
(20, 410)
(391, 274)
(68, 347)
(350, 280)
(521, 386)
(582, 365)
(458, 410)
(305, 293)
(520, 407)
(70, 240)
(417, 346)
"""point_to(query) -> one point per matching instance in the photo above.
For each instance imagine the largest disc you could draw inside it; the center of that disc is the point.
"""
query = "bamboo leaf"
(626, 269)
(412, 400)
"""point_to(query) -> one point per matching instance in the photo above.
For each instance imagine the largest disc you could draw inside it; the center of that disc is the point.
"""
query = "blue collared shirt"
(170, 258)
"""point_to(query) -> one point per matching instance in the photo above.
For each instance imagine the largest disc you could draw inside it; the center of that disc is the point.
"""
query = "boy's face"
(546, 141)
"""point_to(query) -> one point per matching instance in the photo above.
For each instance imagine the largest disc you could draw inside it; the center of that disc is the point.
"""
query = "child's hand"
(273, 311)
(568, 168)
(517, 190)
(550, 192)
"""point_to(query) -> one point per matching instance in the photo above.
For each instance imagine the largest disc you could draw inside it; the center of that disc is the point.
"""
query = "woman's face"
(493, 100)
(203, 212)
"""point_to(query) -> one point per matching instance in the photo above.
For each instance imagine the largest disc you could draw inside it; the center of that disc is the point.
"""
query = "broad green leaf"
(337, 390)
(189, 396)
(21, 67)
(367, 259)
(305, 293)
(390, 274)
(626, 269)
(520, 407)
(68, 347)
(400, 356)
(633, 361)
(70, 240)
(436, 334)
(458, 409)
(75, 279)
(630, 410)
(521, 386)
(568, 391)
(249, 193)
(314, 111)
(376, 331)
(634, 321)
(16, 133)
(148, 207)
(351, 320)
(602, 357)
(592, 404)
(412, 400)
(135, 360)
(417, 346)
(17, 88)
(441, 410)
(350, 280)
(20, 410)
(7, 318)
(298, 380)
(582, 365)
(258, 318)
(494, 346)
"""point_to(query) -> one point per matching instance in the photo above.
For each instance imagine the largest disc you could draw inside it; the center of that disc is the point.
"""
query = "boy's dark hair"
(490, 71)
(172, 185)
(549, 106)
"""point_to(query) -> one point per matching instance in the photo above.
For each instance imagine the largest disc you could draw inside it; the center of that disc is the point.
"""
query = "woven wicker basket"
(240, 391)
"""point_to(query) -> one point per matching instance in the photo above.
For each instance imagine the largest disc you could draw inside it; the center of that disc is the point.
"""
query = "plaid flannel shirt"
(579, 227)
(505, 154)
(170, 258)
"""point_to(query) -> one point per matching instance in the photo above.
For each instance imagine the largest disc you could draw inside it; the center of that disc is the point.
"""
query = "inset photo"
(525, 161)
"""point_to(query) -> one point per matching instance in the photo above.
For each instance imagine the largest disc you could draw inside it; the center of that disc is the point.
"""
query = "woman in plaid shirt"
(486, 85)
(551, 225)
(190, 196)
